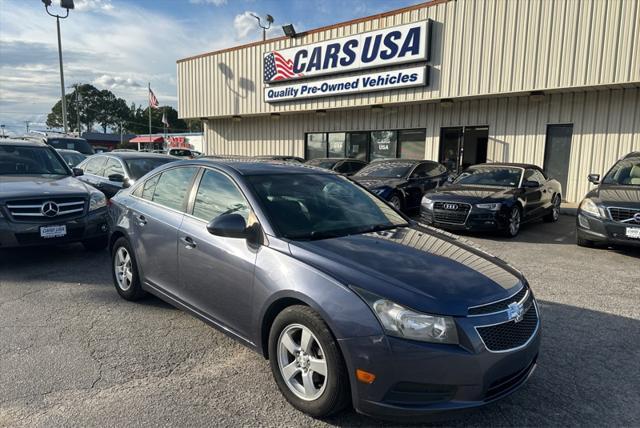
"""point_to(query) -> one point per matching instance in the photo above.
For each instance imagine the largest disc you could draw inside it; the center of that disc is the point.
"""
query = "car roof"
(632, 155)
(258, 167)
(75, 152)
(24, 143)
(135, 155)
(336, 159)
(508, 164)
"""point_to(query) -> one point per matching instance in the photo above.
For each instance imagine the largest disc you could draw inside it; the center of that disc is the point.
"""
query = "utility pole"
(26, 123)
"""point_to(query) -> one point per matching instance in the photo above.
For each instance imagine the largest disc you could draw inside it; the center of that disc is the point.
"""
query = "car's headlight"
(400, 321)
(491, 207)
(427, 203)
(588, 206)
(97, 200)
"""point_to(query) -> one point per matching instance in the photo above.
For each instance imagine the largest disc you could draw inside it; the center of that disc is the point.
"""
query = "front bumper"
(604, 231)
(475, 220)
(24, 234)
(415, 379)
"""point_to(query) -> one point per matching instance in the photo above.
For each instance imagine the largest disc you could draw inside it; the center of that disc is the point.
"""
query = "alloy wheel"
(556, 208)
(302, 362)
(514, 222)
(122, 267)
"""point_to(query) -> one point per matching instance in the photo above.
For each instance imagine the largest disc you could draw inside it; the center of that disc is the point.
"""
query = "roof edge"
(319, 29)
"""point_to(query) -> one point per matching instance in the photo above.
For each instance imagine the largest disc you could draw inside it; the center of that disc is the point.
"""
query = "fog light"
(365, 377)
(584, 222)
(104, 228)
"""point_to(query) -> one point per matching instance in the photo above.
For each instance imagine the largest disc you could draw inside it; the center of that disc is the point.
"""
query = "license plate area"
(633, 232)
(48, 232)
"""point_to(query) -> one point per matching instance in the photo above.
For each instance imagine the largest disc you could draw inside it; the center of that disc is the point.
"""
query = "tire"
(95, 244)
(584, 242)
(126, 280)
(328, 394)
(554, 215)
(515, 215)
(396, 202)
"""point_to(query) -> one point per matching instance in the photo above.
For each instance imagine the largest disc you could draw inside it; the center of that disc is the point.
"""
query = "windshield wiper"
(381, 227)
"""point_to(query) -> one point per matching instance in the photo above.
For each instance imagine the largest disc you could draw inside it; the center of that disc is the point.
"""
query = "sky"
(121, 45)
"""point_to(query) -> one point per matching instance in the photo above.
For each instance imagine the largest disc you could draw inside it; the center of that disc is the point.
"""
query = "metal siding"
(485, 47)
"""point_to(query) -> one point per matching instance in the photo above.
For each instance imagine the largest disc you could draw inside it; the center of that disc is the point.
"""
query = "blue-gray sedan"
(351, 301)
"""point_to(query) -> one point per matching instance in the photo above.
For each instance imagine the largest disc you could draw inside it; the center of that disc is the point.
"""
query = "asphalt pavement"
(72, 353)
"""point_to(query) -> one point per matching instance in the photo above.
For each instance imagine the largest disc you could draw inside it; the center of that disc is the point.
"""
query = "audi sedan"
(398, 319)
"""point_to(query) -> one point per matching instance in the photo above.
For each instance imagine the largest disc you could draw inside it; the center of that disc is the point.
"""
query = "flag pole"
(149, 113)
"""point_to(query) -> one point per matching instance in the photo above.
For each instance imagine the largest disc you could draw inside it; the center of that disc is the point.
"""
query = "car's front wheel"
(396, 202)
(554, 214)
(306, 362)
(125, 272)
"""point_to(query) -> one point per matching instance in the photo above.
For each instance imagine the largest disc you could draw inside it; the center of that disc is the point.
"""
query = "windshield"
(318, 206)
(624, 173)
(322, 163)
(21, 160)
(386, 169)
(490, 176)
(139, 167)
(72, 159)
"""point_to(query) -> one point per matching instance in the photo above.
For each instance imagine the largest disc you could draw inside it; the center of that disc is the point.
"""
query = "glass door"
(557, 153)
(461, 147)
(357, 145)
(451, 147)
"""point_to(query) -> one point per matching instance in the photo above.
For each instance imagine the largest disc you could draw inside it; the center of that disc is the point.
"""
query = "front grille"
(510, 335)
(504, 384)
(624, 215)
(498, 306)
(450, 212)
(31, 209)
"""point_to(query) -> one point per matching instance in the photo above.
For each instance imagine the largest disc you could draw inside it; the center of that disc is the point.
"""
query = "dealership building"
(552, 83)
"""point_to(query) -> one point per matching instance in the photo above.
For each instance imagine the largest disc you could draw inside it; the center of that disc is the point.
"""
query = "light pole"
(66, 4)
(269, 19)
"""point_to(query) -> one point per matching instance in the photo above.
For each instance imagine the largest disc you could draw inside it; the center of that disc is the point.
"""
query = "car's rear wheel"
(396, 202)
(554, 214)
(125, 272)
(306, 362)
(515, 219)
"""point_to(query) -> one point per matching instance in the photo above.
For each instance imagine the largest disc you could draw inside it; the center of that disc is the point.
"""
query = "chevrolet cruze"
(349, 300)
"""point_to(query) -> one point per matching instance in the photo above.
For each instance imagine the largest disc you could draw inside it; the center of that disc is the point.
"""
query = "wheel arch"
(269, 317)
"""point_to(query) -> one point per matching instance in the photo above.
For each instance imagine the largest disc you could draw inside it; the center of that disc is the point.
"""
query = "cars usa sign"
(381, 48)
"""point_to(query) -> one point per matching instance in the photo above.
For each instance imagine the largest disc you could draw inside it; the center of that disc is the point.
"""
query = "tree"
(139, 123)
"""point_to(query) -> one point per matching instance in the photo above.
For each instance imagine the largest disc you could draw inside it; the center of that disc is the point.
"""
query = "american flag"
(276, 67)
(153, 101)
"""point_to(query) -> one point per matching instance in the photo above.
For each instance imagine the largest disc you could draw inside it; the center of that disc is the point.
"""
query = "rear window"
(78, 144)
(139, 167)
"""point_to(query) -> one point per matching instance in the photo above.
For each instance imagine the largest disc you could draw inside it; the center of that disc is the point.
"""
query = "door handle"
(188, 242)
(142, 220)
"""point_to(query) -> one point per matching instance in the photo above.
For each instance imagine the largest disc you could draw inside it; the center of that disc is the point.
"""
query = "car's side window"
(424, 170)
(218, 195)
(533, 175)
(173, 186)
(113, 167)
(95, 165)
(343, 167)
(146, 189)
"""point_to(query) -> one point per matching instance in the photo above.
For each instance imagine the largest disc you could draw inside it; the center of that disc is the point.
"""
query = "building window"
(336, 144)
(316, 146)
(412, 143)
(384, 144)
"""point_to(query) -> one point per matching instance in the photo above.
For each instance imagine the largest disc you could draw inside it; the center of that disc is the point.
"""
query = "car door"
(110, 187)
(216, 272)
(156, 218)
(533, 196)
(547, 192)
(92, 169)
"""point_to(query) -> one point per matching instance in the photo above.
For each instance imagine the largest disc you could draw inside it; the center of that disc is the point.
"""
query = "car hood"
(615, 195)
(14, 186)
(374, 183)
(470, 194)
(422, 268)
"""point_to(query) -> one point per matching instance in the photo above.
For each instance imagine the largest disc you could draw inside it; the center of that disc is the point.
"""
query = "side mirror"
(530, 184)
(77, 172)
(116, 178)
(228, 225)
(594, 178)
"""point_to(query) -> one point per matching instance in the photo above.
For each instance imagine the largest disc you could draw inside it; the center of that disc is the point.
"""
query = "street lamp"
(264, 29)
(66, 4)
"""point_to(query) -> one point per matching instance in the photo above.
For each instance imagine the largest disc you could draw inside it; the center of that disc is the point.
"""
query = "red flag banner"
(153, 101)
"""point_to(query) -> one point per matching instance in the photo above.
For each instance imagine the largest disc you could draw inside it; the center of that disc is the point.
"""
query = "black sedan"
(497, 196)
(610, 213)
(402, 182)
(344, 166)
(110, 172)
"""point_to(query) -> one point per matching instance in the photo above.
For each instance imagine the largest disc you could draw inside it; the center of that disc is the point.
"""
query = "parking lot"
(74, 353)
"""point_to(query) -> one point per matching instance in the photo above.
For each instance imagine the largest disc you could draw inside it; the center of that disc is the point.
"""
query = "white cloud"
(245, 23)
(93, 5)
(113, 82)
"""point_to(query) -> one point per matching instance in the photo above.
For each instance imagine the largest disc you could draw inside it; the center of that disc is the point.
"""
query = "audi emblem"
(49, 209)
(450, 206)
